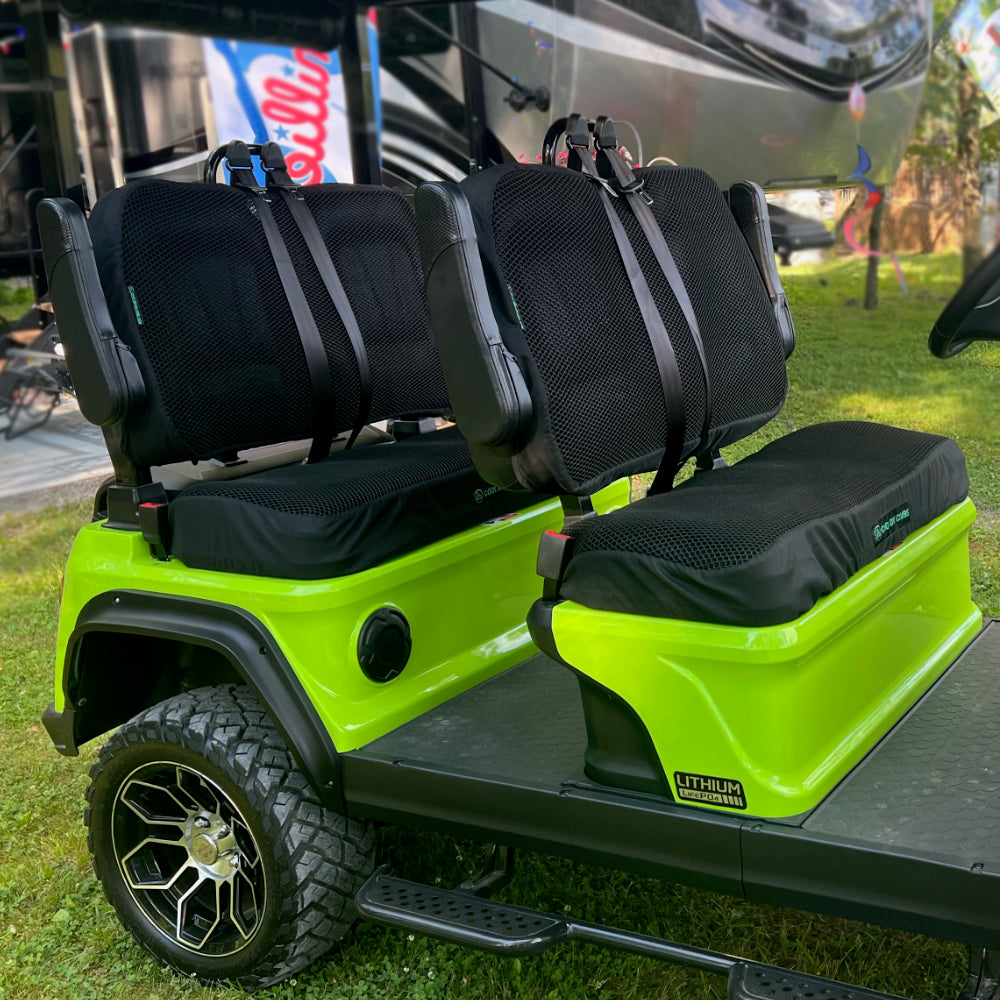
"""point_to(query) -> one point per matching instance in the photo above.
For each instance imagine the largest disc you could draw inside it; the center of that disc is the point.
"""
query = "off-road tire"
(314, 859)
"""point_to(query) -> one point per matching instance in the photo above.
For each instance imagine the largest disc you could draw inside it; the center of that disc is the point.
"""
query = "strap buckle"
(154, 523)
(239, 163)
(579, 143)
(606, 141)
(272, 161)
(636, 186)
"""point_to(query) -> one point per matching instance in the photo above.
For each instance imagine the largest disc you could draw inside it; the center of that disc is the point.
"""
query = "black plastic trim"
(246, 645)
(105, 374)
(966, 318)
(750, 209)
(59, 726)
(540, 626)
(627, 831)
(790, 866)
(485, 383)
(620, 751)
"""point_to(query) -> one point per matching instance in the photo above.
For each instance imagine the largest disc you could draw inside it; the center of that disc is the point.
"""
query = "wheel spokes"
(197, 790)
(183, 927)
(240, 885)
(150, 803)
(181, 846)
(248, 849)
(133, 865)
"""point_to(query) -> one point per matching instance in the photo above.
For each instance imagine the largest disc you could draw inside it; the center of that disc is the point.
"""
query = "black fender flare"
(230, 631)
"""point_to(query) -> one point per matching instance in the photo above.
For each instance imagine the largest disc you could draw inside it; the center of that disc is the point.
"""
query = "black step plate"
(458, 916)
(749, 981)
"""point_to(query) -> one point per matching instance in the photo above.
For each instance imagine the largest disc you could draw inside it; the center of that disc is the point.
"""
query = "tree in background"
(948, 137)
(967, 154)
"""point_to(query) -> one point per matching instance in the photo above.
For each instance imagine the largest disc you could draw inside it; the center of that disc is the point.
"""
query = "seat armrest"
(749, 207)
(487, 388)
(106, 376)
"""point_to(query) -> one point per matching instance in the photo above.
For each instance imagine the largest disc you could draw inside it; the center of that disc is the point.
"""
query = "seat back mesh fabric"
(586, 353)
(688, 362)
(584, 349)
(371, 235)
(194, 293)
(743, 346)
(344, 370)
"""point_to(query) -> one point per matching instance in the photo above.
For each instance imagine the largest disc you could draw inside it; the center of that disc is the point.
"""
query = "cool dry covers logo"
(891, 522)
(481, 495)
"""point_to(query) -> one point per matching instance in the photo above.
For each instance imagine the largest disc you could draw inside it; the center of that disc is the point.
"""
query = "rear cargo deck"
(933, 784)
(910, 838)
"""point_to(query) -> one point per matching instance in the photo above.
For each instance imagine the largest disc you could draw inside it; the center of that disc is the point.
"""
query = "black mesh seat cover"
(759, 543)
(193, 291)
(566, 309)
(343, 515)
(743, 348)
(371, 236)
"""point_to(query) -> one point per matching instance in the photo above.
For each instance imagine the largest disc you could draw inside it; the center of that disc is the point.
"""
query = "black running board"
(750, 981)
(462, 918)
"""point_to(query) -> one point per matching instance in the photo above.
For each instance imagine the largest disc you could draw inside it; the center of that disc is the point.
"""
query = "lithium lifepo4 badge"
(710, 790)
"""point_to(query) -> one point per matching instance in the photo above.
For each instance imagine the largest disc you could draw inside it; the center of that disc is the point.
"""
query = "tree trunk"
(925, 181)
(967, 142)
(874, 243)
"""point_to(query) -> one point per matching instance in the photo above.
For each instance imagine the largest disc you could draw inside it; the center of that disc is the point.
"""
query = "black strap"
(630, 185)
(324, 400)
(273, 162)
(578, 140)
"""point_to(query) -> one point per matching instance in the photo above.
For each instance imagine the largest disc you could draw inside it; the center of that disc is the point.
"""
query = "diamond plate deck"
(527, 723)
(933, 784)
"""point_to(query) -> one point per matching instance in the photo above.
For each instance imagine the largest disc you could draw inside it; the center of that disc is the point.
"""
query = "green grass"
(15, 299)
(59, 939)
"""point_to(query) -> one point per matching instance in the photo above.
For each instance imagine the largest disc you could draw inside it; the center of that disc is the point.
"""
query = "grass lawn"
(59, 939)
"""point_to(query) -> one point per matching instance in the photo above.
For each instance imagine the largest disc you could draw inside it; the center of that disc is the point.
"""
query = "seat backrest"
(534, 251)
(371, 236)
(193, 291)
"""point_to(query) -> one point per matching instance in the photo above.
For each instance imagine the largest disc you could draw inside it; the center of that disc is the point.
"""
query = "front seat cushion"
(759, 543)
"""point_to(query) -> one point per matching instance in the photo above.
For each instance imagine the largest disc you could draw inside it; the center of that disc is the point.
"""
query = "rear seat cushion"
(759, 543)
(343, 515)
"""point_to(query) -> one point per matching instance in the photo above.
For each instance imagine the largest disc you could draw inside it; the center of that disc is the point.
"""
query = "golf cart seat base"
(348, 513)
(768, 719)
(761, 542)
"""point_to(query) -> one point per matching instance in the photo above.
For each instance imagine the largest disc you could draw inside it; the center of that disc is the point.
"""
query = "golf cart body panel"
(488, 572)
(724, 705)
